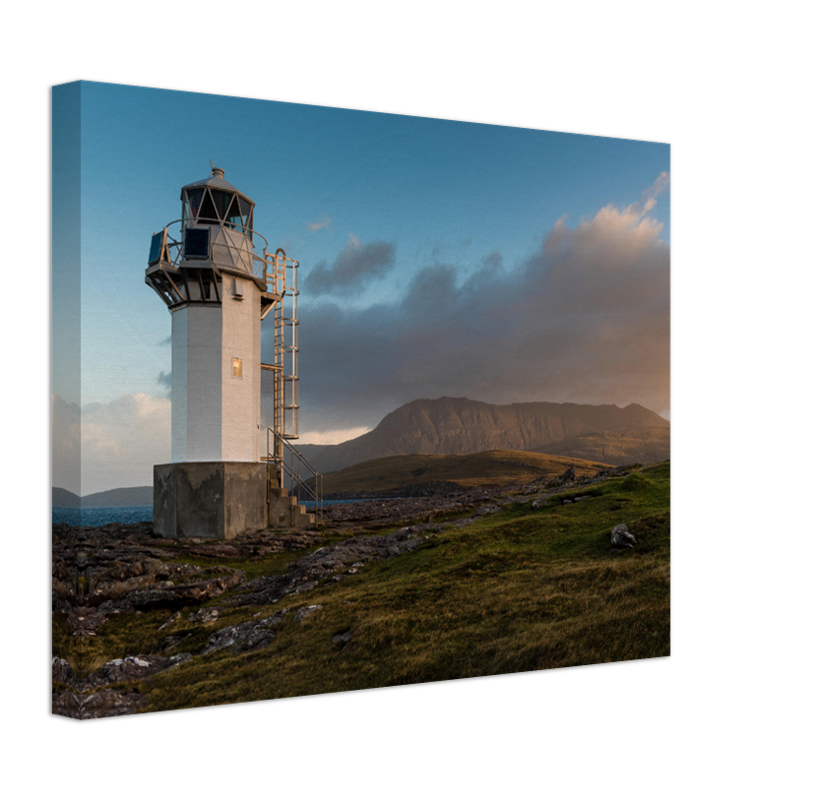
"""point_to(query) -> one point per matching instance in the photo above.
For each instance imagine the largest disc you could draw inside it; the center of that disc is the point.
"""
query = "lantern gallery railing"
(224, 244)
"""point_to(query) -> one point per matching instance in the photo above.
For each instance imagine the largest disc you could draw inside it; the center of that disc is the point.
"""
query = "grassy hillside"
(494, 468)
(520, 590)
(646, 446)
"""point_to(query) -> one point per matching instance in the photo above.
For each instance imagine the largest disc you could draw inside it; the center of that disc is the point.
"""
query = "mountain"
(452, 426)
(62, 498)
(116, 498)
(112, 498)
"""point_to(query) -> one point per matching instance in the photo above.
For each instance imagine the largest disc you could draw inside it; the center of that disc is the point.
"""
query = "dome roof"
(216, 180)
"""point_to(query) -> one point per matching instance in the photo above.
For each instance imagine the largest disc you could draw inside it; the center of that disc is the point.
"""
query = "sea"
(95, 517)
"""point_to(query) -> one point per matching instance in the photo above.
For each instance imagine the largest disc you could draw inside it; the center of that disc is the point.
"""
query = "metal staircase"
(304, 482)
(294, 472)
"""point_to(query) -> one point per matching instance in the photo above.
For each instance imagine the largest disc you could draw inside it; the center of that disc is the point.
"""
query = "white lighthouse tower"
(219, 280)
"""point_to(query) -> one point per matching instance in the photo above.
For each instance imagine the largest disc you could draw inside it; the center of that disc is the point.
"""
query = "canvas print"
(347, 400)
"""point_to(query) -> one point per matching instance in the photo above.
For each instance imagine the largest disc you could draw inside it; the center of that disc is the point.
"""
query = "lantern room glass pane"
(221, 200)
(246, 209)
(194, 198)
(207, 213)
(233, 216)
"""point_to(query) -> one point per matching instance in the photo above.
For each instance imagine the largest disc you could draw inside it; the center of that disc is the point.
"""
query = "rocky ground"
(125, 569)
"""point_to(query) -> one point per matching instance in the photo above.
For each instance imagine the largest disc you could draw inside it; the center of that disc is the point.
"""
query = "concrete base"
(210, 499)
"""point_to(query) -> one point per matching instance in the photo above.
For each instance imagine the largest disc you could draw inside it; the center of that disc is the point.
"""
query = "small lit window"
(237, 368)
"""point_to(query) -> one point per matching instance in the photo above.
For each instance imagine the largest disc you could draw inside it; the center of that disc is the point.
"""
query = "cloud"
(323, 222)
(165, 379)
(331, 437)
(585, 318)
(662, 182)
(356, 265)
(108, 445)
(66, 465)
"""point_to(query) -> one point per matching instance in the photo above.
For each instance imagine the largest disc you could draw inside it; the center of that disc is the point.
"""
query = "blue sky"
(393, 219)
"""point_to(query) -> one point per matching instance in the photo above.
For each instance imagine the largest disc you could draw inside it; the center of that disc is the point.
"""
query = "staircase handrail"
(316, 493)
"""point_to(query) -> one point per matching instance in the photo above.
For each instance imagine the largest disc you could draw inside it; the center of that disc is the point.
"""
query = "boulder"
(131, 668)
(622, 537)
(246, 636)
(303, 613)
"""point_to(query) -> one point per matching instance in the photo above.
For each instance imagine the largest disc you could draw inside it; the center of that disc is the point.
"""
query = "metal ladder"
(286, 349)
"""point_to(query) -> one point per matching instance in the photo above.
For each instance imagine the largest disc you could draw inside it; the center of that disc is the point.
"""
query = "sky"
(437, 258)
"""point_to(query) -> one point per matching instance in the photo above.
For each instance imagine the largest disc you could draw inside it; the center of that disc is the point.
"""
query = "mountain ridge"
(111, 498)
(459, 426)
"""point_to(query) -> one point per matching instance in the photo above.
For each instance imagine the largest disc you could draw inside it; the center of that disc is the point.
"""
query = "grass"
(521, 590)
(120, 636)
(493, 467)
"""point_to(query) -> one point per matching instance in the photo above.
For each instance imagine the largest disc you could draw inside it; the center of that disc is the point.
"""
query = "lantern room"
(213, 245)
(215, 201)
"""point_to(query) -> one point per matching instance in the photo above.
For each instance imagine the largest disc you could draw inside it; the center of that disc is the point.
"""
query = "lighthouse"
(220, 280)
